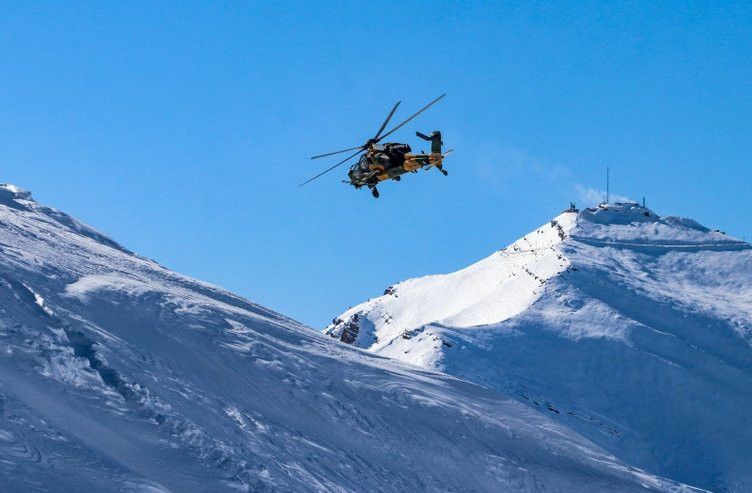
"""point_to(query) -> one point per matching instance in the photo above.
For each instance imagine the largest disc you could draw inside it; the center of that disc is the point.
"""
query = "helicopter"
(388, 161)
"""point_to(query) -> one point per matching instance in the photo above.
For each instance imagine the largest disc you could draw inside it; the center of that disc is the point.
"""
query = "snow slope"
(632, 329)
(119, 375)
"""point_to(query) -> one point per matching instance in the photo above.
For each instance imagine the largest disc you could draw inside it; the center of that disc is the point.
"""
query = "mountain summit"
(117, 374)
(633, 329)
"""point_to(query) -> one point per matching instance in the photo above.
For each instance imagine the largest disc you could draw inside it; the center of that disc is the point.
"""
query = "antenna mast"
(607, 184)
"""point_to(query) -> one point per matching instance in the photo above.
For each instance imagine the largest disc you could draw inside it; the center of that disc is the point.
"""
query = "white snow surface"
(632, 329)
(119, 375)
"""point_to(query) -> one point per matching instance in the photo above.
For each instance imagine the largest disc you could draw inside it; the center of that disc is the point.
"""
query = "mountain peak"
(595, 318)
(512, 279)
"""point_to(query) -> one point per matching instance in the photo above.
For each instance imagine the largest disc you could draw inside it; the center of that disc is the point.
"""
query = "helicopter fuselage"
(376, 167)
(389, 162)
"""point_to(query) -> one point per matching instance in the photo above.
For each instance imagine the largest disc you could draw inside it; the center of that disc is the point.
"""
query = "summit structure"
(633, 329)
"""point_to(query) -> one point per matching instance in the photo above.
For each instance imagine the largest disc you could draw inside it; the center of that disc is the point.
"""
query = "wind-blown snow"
(633, 329)
(119, 375)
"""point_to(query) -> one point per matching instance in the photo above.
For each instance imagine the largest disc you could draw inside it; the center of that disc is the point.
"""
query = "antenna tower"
(607, 184)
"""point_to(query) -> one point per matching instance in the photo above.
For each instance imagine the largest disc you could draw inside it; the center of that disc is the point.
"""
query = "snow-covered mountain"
(634, 330)
(119, 375)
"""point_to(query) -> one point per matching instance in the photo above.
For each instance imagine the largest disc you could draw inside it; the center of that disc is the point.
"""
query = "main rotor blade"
(336, 152)
(389, 117)
(329, 169)
(416, 114)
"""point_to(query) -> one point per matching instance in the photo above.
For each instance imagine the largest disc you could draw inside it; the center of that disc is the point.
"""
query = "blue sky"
(181, 129)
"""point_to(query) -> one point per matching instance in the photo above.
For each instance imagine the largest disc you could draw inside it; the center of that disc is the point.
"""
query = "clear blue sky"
(181, 129)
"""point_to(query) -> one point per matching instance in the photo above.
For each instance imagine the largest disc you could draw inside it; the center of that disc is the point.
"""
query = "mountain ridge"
(119, 375)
